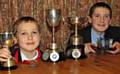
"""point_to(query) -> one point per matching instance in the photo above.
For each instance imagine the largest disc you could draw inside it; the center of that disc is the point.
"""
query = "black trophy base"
(70, 50)
(62, 57)
(8, 68)
(83, 56)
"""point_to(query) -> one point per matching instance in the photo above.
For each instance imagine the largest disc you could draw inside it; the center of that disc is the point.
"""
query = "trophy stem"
(76, 31)
(53, 35)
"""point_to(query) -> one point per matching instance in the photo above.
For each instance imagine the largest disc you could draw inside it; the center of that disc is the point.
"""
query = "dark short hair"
(24, 19)
(100, 4)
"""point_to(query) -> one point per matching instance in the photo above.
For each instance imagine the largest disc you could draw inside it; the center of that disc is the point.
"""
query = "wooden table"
(106, 64)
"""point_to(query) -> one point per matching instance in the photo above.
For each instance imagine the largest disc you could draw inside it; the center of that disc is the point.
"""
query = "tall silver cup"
(53, 20)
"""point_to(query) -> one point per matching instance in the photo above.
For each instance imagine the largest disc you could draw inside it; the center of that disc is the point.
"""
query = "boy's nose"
(102, 19)
(30, 37)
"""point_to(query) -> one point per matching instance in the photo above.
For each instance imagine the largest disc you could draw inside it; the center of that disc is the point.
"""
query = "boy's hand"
(116, 47)
(5, 54)
(89, 48)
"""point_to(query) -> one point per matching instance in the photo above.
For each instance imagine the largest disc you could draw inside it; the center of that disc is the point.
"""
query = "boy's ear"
(14, 40)
(89, 19)
(110, 22)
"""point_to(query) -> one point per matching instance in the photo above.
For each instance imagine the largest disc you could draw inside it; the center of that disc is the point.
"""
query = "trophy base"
(70, 50)
(8, 65)
(8, 68)
(61, 57)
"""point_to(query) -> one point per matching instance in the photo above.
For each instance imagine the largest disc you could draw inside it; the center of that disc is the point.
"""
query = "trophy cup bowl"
(75, 21)
(53, 17)
(7, 39)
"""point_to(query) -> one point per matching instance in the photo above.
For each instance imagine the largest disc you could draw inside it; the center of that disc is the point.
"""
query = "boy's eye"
(34, 32)
(23, 33)
(96, 15)
(107, 16)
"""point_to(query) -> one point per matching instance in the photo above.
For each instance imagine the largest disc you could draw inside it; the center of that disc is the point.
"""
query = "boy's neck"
(97, 32)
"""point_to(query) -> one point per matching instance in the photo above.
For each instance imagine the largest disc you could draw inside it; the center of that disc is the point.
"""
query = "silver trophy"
(53, 20)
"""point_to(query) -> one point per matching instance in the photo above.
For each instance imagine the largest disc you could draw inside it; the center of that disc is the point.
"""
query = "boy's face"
(100, 19)
(28, 36)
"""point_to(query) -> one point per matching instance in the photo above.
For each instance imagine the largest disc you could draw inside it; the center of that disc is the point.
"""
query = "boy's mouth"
(101, 24)
(30, 43)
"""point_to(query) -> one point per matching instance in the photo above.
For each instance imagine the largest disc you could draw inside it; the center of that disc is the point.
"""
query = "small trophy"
(53, 20)
(76, 49)
(7, 39)
(103, 45)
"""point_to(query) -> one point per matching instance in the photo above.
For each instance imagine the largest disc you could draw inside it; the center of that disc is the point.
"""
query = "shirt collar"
(24, 57)
(95, 35)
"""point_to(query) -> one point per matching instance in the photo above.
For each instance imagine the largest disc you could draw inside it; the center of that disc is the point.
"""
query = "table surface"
(106, 64)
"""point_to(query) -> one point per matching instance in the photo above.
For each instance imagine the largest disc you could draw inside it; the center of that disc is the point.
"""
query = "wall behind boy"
(10, 10)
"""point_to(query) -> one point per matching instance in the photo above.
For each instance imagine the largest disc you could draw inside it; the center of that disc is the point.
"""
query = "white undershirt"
(24, 57)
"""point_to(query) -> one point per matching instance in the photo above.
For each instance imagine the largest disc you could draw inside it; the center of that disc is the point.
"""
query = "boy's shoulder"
(86, 29)
(114, 29)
